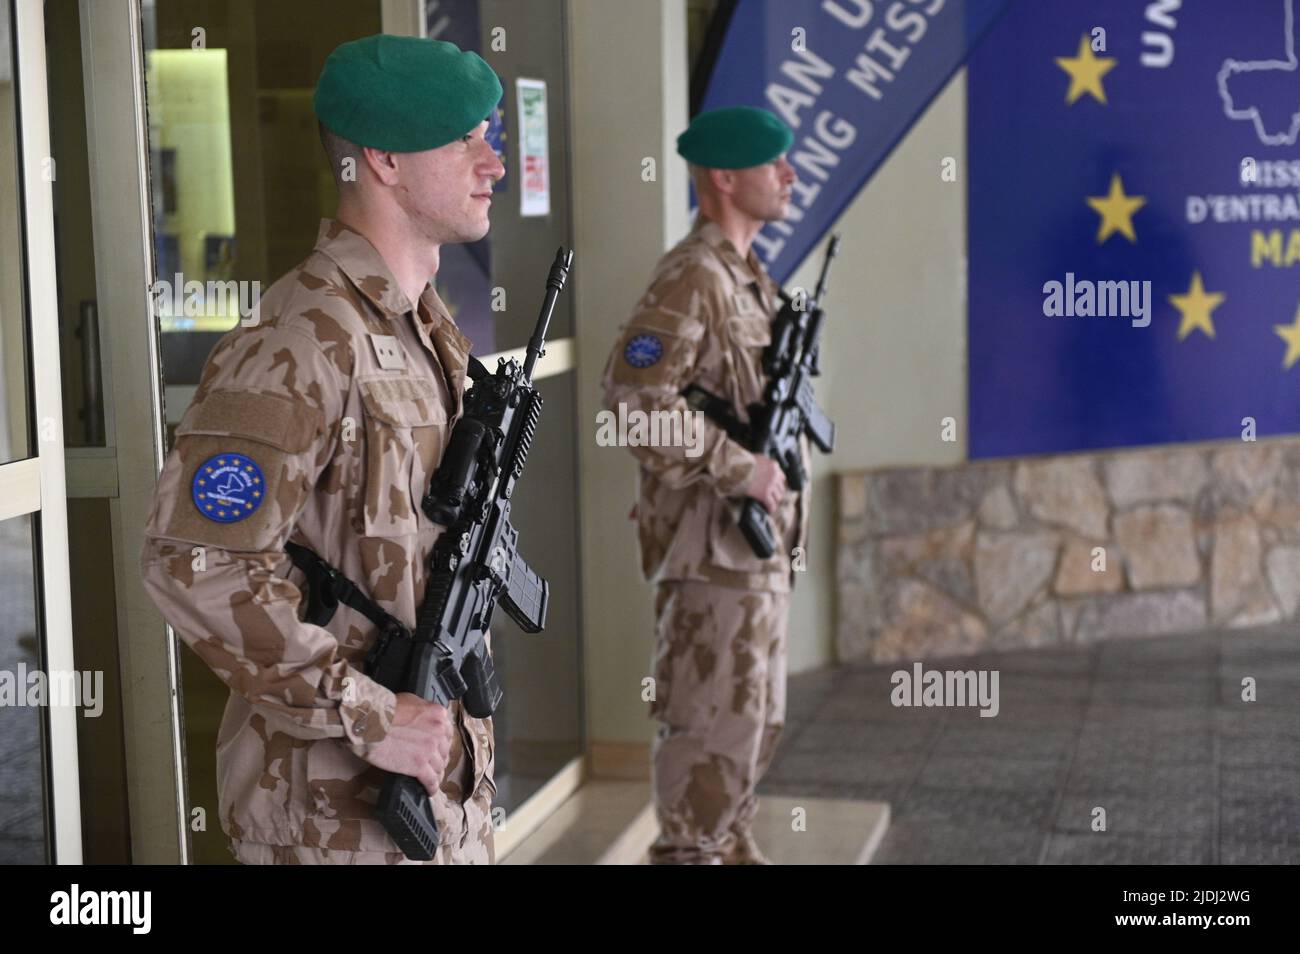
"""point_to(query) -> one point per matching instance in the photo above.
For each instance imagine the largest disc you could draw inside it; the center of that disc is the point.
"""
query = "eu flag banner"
(849, 77)
(1134, 225)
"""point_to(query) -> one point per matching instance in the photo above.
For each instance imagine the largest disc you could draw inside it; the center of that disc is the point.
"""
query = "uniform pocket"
(406, 425)
(752, 330)
(690, 664)
(748, 335)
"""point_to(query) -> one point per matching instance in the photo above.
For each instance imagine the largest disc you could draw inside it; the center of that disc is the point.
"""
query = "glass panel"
(239, 179)
(519, 249)
(14, 438)
(79, 351)
(22, 774)
(101, 744)
(539, 726)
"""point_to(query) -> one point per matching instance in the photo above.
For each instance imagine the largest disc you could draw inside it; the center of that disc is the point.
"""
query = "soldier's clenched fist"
(418, 743)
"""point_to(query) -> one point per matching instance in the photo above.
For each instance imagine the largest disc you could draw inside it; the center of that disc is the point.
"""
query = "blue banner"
(1134, 227)
(850, 77)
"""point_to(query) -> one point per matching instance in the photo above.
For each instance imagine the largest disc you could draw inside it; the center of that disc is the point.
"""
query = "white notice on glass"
(535, 194)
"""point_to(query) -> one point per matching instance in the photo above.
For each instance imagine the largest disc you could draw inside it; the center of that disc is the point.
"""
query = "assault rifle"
(788, 409)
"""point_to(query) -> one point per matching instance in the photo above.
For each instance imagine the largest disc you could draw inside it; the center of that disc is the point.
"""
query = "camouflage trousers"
(720, 673)
(477, 850)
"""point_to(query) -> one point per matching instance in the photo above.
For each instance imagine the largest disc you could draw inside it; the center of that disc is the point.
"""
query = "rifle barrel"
(555, 280)
(826, 267)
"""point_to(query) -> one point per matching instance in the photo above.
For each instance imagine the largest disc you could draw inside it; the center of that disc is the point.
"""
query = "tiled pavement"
(1153, 730)
(22, 827)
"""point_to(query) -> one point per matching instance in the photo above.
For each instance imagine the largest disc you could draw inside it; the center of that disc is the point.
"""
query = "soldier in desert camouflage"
(721, 612)
(322, 425)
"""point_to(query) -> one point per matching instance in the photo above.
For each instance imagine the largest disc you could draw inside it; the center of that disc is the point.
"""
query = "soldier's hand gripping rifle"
(475, 564)
(788, 409)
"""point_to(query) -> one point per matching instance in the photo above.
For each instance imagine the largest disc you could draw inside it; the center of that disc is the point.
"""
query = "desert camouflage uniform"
(346, 444)
(721, 612)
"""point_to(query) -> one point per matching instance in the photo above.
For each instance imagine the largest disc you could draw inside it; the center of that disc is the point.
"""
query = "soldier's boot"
(679, 855)
(745, 851)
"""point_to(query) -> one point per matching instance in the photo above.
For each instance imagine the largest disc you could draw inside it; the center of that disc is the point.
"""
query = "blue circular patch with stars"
(643, 351)
(228, 488)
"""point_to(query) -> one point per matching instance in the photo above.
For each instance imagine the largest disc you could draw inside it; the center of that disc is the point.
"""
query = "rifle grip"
(792, 464)
(407, 815)
(757, 529)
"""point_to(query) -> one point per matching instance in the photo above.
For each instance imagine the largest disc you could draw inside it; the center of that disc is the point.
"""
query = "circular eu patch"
(643, 351)
(228, 488)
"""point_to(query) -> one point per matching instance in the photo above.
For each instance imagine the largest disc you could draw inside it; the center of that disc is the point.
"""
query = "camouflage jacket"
(705, 320)
(322, 424)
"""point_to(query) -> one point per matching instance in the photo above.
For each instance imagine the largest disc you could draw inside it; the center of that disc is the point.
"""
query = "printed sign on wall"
(534, 158)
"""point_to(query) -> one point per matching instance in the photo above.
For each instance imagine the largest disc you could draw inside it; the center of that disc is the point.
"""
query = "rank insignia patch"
(228, 488)
(643, 350)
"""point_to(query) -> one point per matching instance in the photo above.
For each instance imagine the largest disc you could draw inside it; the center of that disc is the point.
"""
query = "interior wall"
(628, 100)
(894, 349)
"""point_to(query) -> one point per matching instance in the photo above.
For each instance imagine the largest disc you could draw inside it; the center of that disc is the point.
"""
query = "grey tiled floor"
(22, 825)
(1154, 731)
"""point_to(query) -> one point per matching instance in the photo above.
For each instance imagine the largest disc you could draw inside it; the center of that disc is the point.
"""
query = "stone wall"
(948, 561)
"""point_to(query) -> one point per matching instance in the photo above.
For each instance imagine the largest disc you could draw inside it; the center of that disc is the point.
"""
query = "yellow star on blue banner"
(1085, 71)
(1116, 210)
(1196, 308)
(1291, 335)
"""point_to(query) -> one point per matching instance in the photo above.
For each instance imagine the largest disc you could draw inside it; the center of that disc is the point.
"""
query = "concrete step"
(600, 817)
(613, 823)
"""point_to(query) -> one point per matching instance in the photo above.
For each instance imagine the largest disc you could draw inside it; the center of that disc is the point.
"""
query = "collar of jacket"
(744, 271)
(368, 271)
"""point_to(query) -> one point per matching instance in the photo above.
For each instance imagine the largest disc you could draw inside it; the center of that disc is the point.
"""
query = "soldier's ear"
(383, 164)
(723, 181)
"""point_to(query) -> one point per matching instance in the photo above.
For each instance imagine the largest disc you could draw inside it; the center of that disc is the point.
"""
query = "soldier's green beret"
(404, 93)
(734, 138)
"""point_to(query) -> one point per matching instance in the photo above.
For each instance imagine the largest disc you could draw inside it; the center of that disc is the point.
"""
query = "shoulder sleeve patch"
(228, 488)
(643, 350)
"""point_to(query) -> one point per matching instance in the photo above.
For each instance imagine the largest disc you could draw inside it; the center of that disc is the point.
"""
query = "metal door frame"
(37, 485)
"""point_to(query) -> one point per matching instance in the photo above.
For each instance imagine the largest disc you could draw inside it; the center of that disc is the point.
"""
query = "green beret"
(734, 138)
(404, 93)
